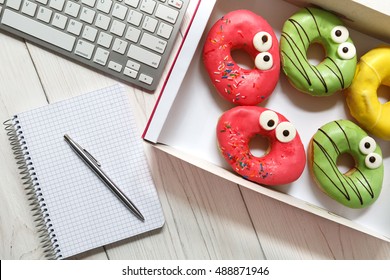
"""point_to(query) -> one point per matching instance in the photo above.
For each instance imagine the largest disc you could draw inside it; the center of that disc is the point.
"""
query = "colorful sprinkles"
(242, 158)
(236, 30)
(227, 71)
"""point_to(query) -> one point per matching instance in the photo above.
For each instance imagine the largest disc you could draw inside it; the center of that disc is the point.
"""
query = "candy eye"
(285, 132)
(262, 41)
(367, 145)
(346, 50)
(339, 34)
(373, 161)
(264, 61)
(269, 120)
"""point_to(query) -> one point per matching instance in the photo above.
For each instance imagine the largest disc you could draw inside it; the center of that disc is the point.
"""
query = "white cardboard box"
(368, 16)
(185, 116)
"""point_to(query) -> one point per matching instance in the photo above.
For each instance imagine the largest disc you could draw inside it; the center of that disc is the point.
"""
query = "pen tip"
(139, 215)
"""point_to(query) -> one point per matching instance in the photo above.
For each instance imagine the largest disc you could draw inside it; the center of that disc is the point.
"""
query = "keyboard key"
(164, 30)
(104, 39)
(84, 49)
(57, 4)
(118, 28)
(135, 17)
(166, 13)
(101, 56)
(38, 30)
(104, 6)
(59, 20)
(89, 33)
(153, 43)
(176, 3)
(14, 4)
(87, 15)
(133, 65)
(147, 6)
(144, 56)
(119, 46)
(90, 3)
(150, 24)
(74, 27)
(130, 72)
(133, 34)
(44, 14)
(115, 66)
(29, 8)
(145, 79)
(72, 9)
(119, 11)
(102, 21)
(132, 3)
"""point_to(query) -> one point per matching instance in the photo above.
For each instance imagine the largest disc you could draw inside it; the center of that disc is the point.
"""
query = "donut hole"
(383, 94)
(345, 162)
(243, 59)
(315, 54)
(259, 146)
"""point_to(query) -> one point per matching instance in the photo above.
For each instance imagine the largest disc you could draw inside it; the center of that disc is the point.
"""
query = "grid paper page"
(84, 213)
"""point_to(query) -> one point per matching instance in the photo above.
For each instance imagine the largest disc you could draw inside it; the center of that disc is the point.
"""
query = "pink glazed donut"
(285, 159)
(251, 33)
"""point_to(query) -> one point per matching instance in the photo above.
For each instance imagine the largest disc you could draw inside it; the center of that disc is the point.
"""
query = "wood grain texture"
(17, 231)
(289, 233)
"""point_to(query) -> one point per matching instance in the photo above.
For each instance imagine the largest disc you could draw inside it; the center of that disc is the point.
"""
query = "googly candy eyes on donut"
(249, 32)
(285, 159)
(373, 70)
(360, 186)
(336, 71)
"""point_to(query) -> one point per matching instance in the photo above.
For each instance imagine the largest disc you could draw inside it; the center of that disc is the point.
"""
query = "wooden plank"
(286, 232)
(20, 90)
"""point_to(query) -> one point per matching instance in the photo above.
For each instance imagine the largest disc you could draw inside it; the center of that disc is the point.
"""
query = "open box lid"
(367, 16)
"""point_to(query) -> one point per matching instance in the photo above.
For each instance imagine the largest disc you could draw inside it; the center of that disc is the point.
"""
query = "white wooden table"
(206, 217)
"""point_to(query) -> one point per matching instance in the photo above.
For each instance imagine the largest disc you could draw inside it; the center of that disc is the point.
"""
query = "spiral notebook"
(76, 211)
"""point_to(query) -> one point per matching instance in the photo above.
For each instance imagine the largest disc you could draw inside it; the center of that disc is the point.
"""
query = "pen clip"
(92, 157)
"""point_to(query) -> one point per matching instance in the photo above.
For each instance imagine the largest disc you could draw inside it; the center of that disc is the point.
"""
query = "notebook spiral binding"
(34, 193)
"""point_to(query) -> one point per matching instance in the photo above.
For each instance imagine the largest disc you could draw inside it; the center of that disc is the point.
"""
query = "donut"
(285, 159)
(361, 185)
(372, 71)
(336, 71)
(247, 31)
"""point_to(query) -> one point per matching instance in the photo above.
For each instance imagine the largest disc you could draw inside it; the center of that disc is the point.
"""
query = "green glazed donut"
(336, 71)
(360, 186)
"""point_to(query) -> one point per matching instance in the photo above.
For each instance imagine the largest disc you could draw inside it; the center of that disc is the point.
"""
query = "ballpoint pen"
(96, 168)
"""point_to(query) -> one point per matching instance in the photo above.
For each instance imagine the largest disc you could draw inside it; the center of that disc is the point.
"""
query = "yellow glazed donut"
(373, 70)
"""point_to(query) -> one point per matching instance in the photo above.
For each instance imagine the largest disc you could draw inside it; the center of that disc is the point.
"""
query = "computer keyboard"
(129, 39)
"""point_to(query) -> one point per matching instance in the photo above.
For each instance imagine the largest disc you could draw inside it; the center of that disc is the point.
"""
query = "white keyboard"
(128, 39)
